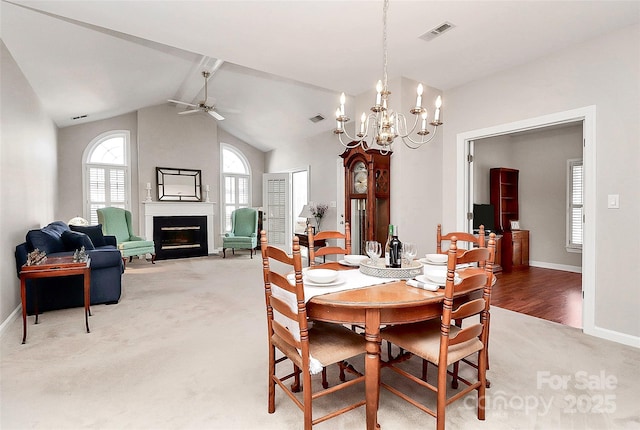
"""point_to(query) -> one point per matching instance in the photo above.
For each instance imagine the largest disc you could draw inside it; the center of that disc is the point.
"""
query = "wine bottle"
(396, 249)
(387, 248)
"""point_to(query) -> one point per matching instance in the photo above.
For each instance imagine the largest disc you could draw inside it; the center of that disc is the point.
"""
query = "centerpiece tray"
(381, 271)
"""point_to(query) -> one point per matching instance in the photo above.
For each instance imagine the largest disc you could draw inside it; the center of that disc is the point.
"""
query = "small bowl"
(355, 259)
(437, 258)
(322, 276)
(438, 277)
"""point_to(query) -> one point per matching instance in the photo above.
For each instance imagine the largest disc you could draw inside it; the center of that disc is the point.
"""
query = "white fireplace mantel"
(151, 209)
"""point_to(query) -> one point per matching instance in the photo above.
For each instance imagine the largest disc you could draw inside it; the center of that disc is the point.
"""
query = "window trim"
(569, 245)
(224, 175)
(88, 151)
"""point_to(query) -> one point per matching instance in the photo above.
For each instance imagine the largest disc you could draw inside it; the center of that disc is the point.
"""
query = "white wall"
(28, 182)
(604, 73)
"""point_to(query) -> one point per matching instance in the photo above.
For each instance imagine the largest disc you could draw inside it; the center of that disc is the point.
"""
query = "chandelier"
(383, 123)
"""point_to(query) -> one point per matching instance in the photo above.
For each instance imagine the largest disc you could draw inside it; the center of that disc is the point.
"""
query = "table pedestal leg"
(372, 367)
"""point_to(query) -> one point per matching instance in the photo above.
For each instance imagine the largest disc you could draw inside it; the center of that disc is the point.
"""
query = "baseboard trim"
(613, 336)
(12, 316)
(554, 266)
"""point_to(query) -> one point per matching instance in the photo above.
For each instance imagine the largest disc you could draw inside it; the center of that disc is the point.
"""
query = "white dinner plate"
(309, 283)
(306, 281)
(425, 280)
(431, 263)
(346, 263)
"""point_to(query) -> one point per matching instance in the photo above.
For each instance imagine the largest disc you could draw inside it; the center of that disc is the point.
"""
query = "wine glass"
(409, 252)
(374, 249)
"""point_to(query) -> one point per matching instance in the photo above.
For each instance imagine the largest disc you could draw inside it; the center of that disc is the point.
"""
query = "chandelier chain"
(384, 43)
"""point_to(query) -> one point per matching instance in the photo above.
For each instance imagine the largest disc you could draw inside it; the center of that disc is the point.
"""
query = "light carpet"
(186, 349)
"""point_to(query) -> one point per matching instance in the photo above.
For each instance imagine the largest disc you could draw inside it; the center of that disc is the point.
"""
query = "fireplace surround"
(153, 210)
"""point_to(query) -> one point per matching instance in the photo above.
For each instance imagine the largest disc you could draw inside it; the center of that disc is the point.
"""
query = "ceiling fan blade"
(182, 103)
(216, 115)
(184, 112)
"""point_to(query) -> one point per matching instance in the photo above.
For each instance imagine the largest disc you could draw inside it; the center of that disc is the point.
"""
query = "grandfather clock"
(367, 195)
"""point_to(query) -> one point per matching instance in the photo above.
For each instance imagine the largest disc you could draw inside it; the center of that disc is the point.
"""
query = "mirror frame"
(179, 185)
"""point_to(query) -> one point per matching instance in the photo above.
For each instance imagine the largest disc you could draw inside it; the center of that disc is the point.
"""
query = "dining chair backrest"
(484, 257)
(284, 298)
(297, 339)
(471, 239)
(329, 249)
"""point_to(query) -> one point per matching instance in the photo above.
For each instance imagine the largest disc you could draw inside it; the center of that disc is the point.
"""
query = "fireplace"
(180, 236)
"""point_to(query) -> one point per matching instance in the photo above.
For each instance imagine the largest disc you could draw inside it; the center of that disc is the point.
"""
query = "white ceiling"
(284, 61)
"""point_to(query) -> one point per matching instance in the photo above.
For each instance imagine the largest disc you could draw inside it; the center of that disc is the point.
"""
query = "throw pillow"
(94, 232)
(75, 240)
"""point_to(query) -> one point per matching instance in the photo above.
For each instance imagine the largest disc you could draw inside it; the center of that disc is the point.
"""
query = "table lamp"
(306, 213)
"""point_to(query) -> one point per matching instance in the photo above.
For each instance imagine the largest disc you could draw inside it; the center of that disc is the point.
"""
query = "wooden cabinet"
(515, 250)
(520, 253)
(504, 197)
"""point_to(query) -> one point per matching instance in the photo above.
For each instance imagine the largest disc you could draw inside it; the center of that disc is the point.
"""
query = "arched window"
(236, 182)
(106, 173)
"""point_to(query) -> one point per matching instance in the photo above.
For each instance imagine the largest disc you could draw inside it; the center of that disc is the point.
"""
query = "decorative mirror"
(179, 184)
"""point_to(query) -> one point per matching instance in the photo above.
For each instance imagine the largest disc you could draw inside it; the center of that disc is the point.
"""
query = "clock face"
(360, 182)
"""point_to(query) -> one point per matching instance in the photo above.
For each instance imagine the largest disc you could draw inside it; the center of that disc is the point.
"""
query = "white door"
(469, 185)
(277, 209)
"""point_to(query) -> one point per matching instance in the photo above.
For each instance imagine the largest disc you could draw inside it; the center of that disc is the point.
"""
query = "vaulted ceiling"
(283, 61)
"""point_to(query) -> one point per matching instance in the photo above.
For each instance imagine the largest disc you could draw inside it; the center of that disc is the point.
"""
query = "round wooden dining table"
(375, 306)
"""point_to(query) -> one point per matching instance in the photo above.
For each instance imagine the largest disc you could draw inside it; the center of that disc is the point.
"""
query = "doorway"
(464, 184)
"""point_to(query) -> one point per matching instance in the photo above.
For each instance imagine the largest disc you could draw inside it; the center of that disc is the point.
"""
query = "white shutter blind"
(576, 181)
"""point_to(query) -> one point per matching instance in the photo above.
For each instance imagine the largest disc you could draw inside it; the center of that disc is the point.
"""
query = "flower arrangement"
(318, 212)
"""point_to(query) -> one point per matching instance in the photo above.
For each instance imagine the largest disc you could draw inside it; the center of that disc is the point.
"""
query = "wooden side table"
(54, 267)
(304, 241)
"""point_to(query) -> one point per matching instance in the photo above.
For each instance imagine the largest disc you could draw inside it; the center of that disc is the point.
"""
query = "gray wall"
(603, 72)
(28, 172)
(541, 157)
(73, 142)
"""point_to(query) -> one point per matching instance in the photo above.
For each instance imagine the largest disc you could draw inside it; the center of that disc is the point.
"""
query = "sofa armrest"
(21, 257)
(111, 240)
(101, 258)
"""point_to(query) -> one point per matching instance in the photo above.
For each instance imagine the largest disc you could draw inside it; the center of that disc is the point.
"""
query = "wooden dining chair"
(310, 346)
(329, 249)
(471, 239)
(442, 343)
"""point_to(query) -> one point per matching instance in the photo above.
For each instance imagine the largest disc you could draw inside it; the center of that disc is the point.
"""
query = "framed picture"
(515, 225)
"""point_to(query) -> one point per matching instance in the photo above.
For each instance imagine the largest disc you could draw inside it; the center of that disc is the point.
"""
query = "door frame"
(588, 117)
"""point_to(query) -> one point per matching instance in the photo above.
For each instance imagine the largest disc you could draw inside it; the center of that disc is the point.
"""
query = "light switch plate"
(613, 201)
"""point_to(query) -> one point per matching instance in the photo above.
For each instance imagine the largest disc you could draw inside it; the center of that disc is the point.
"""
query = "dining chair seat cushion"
(328, 343)
(423, 339)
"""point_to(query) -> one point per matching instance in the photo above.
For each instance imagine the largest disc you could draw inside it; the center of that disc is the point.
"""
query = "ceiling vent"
(79, 117)
(316, 118)
(433, 33)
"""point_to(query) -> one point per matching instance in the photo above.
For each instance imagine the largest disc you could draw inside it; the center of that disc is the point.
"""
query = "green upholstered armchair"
(117, 222)
(244, 231)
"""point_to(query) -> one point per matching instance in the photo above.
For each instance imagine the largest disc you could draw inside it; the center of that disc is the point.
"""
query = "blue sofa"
(58, 239)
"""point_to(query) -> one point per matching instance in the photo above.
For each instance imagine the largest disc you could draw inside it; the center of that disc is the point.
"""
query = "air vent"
(433, 33)
(79, 117)
(316, 118)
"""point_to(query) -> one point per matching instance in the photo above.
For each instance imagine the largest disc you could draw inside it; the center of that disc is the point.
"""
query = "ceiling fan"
(202, 106)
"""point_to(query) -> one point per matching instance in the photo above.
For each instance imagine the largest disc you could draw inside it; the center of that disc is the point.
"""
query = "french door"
(276, 200)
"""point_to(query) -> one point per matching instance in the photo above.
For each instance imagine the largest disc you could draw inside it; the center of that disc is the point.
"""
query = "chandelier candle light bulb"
(384, 125)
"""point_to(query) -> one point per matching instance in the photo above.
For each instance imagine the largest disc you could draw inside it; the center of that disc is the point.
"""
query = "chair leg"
(454, 381)
(272, 384)
(153, 258)
(130, 258)
(124, 261)
(325, 383)
(295, 387)
(224, 254)
(425, 367)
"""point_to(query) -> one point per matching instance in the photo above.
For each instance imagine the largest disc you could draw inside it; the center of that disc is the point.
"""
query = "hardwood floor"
(552, 295)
